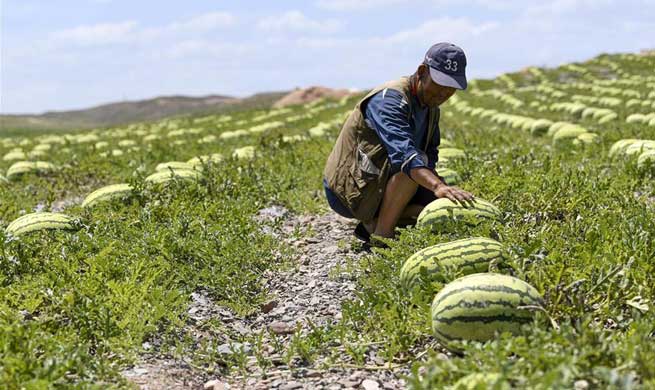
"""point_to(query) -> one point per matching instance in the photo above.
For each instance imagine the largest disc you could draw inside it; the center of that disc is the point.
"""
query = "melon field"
(200, 250)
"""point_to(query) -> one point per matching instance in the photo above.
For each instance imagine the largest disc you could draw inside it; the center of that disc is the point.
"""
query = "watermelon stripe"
(482, 304)
(438, 267)
(456, 255)
(22, 228)
(454, 245)
(485, 319)
(443, 335)
(504, 289)
(110, 195)
(32, 219)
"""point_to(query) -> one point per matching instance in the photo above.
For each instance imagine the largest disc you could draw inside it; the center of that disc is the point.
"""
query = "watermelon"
(467, 256)
(554, 128)
(446, 154)
(620, 146)
(175, 165)
(476, 307)
(646, 159)
(244, 153)
(171, 174)
(450, 177)
(114, 191)
(639, 147)
(40, 221)
(15, 155)
(585, 138)
(205, 159)
(568, 132)
(442, 210)
(540, 126)
(23, 167)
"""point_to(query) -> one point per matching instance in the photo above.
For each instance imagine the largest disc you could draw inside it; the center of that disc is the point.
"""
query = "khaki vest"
(358, 167)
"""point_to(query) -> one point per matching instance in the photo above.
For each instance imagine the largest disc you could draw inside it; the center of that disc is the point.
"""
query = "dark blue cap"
(447, 64)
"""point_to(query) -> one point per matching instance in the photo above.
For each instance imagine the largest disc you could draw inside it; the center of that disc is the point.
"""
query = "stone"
(214, 384)
(581, 385)
(291, 386)
(369, 384)
(267, 307)
(281, 328)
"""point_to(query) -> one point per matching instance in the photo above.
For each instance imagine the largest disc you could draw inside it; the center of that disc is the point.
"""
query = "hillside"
(136, 111)
(199, 251)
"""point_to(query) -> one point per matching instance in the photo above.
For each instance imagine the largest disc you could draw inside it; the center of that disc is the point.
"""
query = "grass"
(77, 306)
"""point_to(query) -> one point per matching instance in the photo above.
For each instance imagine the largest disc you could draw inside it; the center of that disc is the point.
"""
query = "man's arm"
(387, 113)
(427, 178)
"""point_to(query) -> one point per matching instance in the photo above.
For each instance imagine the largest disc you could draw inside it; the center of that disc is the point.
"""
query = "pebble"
(349, 382)
(581, 385)
(267, 307)
(214, 385)
(369, 384)
(291, 386)
(281, 328)
(310, 291)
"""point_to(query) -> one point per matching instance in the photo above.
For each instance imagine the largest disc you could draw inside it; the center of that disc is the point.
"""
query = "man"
(382, 167)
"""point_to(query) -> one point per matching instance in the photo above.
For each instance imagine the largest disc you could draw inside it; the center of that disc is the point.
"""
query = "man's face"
(431, 93)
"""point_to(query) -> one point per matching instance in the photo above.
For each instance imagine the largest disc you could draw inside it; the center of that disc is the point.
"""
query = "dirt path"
(309, 294)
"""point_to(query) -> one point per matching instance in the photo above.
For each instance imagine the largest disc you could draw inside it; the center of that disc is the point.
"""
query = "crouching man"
(381, 170)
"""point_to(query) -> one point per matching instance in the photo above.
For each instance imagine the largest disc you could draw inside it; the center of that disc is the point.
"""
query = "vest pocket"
(364, 168)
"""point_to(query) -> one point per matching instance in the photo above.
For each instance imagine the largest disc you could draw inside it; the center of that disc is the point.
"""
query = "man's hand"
(455, 194)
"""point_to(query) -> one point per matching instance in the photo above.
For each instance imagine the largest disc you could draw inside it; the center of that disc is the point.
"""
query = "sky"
(66, 54)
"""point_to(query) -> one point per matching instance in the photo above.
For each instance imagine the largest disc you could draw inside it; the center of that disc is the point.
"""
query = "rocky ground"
(309, 294)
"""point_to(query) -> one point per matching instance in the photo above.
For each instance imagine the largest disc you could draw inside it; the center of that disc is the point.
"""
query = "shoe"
(361, 233)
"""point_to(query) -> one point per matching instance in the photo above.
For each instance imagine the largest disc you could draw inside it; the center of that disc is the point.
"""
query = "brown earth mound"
(306, 95)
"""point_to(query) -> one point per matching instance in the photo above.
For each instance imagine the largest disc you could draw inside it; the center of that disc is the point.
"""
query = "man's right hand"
(456, 195)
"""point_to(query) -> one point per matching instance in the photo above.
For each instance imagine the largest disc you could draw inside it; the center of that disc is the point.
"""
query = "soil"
(311, 292)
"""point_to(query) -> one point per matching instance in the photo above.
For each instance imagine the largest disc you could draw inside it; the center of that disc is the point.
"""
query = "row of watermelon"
(481, 303)
(164, 172)
(643, 149)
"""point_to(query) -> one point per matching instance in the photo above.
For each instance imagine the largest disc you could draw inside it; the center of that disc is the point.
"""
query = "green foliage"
(76, 306)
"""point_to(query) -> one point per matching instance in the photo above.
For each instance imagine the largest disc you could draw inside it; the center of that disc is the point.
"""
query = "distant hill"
(309, 94)
(135, 111)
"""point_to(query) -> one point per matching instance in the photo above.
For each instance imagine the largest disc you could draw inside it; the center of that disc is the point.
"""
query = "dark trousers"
(422, 197)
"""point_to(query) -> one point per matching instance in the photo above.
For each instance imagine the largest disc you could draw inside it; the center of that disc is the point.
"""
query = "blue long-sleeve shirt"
(404, 139)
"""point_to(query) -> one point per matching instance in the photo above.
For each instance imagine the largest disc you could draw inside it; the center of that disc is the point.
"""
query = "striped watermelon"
(585, 139)
(469, 255)
(23, 167)
(114, 191)
(447, 154)
(450, 177)
(15, 155)
(40, 221)
(166, 176)
(620, 146)
(568, 133)
(477, 306)
(206, 159)
(646, 159)
(244, 153)
(540, 126)
(175, 165)
(443, 210)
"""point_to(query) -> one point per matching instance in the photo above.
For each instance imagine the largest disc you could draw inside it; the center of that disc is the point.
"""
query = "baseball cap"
(447, 64)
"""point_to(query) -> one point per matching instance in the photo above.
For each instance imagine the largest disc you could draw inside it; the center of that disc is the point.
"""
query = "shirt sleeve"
(433, 147)
(387, 113)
